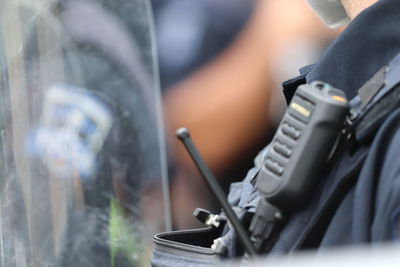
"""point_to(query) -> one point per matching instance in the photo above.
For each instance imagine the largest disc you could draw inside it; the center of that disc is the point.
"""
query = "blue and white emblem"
(74, 125)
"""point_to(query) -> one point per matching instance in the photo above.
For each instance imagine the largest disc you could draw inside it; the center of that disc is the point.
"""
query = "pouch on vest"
(186, 248)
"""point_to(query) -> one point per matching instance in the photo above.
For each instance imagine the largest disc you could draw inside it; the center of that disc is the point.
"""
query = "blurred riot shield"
(82, 161)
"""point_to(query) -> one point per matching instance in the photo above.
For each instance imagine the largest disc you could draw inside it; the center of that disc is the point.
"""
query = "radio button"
(282, 149)
(290, 131)
(274, 167)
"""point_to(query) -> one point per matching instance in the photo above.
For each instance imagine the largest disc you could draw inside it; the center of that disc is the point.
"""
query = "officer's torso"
(357, 198)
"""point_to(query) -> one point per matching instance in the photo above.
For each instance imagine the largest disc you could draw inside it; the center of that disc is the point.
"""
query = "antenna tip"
(182, 133)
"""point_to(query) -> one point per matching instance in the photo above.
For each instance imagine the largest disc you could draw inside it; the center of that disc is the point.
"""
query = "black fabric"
(313, 238)
(357, 200)
(366, 45)
(290, 87)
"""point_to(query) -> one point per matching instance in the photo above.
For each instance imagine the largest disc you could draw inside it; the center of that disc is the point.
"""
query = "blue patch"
(73, 128)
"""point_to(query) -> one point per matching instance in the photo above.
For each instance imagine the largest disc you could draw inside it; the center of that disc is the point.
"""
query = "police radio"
(292, 165)
(296, 156)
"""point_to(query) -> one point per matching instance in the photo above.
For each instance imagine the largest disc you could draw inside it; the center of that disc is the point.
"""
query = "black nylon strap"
(372, 87)
(368, 123)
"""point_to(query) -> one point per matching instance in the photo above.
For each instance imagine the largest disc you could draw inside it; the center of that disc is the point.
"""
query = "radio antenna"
(184, 135)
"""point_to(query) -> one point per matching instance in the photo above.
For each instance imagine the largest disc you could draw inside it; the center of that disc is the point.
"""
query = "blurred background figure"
(221, 65)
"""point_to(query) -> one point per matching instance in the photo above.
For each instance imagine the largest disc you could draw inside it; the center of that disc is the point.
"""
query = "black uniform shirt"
(367, 209)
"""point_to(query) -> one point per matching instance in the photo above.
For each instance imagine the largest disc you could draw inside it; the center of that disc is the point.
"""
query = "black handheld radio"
(297, 154)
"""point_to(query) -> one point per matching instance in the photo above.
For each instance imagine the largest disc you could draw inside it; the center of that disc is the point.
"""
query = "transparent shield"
(82, 159)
